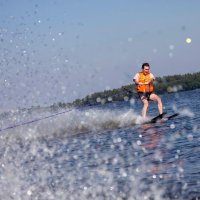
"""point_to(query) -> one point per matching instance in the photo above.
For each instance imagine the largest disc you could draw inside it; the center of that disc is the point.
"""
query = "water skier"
(144, 87)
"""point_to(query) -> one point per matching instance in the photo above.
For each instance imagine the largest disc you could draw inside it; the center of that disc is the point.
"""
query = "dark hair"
(145, 64)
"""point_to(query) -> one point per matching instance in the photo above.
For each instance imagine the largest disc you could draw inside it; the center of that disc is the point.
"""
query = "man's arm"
(145, 83)
(152, 78)
(136, 79)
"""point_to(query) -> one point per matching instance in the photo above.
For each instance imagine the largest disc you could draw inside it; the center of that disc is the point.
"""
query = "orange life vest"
(142, 79)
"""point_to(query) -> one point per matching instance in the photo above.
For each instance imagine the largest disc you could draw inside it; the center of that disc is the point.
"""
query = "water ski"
(155, 119)
(172, 116)
(162, 117)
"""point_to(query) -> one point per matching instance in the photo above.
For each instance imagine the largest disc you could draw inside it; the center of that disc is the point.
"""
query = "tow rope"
(35, 120)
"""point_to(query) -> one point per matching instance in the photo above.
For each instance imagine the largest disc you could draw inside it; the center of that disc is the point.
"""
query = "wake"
(70, 122)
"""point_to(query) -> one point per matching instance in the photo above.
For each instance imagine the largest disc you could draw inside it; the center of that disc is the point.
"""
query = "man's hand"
(151, 80)
(145, 83)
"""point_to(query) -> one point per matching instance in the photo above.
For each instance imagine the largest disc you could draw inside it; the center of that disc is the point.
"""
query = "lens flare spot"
(188, 40)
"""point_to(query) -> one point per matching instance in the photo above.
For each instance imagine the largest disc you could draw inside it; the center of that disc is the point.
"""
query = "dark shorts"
(144, 95)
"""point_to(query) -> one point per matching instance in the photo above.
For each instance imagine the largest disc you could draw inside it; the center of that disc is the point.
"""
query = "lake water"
(102, 152)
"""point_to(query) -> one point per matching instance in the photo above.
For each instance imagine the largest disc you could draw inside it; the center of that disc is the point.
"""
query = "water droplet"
(132, 101)
(29, 192)
(155, 50)
(126, 98)
(109, 98)
(171, 47)
(171, 54)
(85, 188)
(98, 99)
(119, 139)
(87, 113)
(137, 170)
(172, 126)
(190, 137)
(124, 174)
(130, 39)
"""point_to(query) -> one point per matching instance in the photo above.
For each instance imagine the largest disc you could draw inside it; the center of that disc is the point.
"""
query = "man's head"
(145, 68)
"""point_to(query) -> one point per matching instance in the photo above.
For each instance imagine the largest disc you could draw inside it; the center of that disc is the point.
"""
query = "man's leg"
(145, 106)
(155, 97)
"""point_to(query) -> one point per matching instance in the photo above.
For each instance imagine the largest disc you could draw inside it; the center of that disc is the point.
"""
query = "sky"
(59, 50)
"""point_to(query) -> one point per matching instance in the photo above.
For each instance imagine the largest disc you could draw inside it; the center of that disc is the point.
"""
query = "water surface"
(103, 152)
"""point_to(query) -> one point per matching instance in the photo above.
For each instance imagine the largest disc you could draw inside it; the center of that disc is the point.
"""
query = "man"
(144, 87)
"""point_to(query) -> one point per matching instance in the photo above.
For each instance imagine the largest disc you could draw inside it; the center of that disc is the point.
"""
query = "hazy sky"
(61, 50)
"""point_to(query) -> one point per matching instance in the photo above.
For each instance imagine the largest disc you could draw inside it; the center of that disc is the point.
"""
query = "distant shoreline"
(165, 84)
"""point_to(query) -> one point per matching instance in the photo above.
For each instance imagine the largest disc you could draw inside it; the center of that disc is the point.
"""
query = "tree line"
(165, 84)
